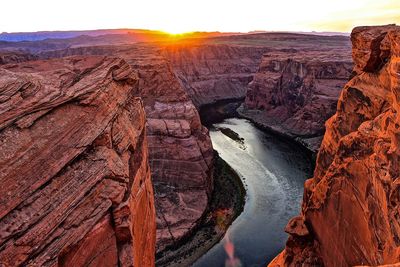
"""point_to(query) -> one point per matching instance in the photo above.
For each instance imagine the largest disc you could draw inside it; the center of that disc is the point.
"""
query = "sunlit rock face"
(294, 93)
(351, 206)
(75, 179)
(211, 72)
(180, 149)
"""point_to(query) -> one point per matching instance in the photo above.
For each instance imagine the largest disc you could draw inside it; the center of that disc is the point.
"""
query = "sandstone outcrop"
(351, 205)
(211, 72)
(180, 149)
(220, 68)
(294, 84)
(75, 179)
(181, 153)
(294, 92)
(7, 57)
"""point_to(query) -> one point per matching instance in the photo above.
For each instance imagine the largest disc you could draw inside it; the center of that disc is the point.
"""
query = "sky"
(178, 16)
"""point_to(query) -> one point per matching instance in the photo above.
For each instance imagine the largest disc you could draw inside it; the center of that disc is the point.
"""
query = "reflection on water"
(229, 247)
(273, 173)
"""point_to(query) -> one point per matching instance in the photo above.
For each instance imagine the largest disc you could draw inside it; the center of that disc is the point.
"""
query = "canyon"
(350, 210)
(289, 84)
(180, 150)
(86, 122)
(214, 72)
(273, 171)
(175, 80)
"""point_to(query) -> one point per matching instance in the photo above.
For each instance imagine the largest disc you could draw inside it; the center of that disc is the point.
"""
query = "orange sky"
(178, 16)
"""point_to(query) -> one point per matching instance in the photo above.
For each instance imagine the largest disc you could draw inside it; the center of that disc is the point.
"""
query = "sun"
(176, 32)
(177, 35)
(177, 29)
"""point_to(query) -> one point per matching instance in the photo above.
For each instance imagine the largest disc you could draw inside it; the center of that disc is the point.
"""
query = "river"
(273, 172)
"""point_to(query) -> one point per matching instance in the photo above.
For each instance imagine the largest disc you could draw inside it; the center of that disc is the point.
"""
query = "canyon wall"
(211, 72)
(180, 149)
(351, 207)
(294, 92)
(181, 153)
(294, 83)
(7, 57)
(75, 179)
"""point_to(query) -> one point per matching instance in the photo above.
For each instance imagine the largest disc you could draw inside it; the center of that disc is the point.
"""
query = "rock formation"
(7, 57)
(180, 149)
(211, 72)
(294, 79)
(295, 92)
(350, 212)
(75, 180)
(220, 68)
(181, 153)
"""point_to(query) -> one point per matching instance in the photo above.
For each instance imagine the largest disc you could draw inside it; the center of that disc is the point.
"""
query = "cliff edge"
(74, 173)
(351, 207)
(180, 149)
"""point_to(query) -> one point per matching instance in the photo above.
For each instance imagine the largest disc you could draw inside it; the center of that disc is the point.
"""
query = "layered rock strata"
(211, 72)
(294, 93)
(293, 79)
(75, 179)
(180, 149)
(350, 212)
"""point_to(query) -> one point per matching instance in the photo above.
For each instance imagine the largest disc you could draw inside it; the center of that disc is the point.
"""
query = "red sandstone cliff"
(350, 212)
(295, 92)
(220, 68)
(181, 153)
(211, 72)
(75, 180)
(180, 149)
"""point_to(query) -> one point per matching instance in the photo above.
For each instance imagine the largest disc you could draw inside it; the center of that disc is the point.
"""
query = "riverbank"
(310, 145)
(230, 108)
(227, 202)
(274, 171)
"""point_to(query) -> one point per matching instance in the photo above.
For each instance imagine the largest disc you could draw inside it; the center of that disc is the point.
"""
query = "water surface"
(273, 172)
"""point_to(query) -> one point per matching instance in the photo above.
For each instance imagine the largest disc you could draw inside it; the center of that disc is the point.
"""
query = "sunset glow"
(179, 16)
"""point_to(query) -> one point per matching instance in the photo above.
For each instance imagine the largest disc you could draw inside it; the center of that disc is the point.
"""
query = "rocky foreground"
(180, 149)
(350, 212)
(75, 179)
